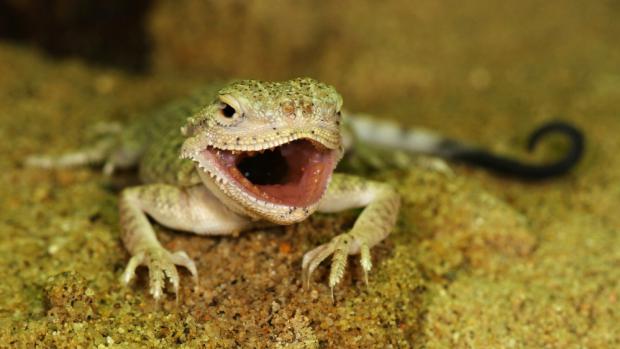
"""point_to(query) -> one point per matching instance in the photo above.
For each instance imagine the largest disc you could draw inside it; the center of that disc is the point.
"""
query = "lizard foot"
(340, 246)
(161, 264)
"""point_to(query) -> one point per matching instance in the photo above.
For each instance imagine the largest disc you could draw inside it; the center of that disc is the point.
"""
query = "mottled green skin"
(185, 188)
(156, 141)
(269, 113)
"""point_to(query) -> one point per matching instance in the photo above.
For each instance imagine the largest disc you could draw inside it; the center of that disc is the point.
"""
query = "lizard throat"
(293, 174)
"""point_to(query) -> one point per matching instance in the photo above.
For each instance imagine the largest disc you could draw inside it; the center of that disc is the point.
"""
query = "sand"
(476, 261)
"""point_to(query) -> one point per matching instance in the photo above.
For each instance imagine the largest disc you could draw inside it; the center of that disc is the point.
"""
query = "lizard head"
(268, 149)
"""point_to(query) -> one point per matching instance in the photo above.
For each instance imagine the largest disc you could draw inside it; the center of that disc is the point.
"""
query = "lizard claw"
(161, 264)
(339, 247)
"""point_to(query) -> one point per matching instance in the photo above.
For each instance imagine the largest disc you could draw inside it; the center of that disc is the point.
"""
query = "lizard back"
(156, 140)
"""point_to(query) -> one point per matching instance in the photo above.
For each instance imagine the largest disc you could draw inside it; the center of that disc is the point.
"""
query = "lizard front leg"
(374, 224)
(192, 209)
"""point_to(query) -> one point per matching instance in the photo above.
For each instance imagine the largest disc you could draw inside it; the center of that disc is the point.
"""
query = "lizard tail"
(524, 170)
(422, 141)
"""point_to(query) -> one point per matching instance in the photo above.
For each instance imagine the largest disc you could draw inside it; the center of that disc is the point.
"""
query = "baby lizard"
(254, 153)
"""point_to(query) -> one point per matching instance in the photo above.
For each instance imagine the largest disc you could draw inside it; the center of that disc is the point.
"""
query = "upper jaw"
(330, 139)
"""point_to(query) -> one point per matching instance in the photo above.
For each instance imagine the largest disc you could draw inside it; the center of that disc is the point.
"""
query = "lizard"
(252, 154)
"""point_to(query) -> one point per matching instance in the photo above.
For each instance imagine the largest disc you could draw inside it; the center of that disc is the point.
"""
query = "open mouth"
(293, 174)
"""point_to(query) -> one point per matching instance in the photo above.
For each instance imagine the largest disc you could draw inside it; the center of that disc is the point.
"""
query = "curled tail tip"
(558, 126)
(574, 134)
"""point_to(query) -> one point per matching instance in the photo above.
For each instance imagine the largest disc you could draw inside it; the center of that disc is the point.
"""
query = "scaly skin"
(188, 187)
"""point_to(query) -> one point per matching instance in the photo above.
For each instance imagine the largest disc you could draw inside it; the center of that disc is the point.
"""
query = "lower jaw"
(309, 173)
(237, 200)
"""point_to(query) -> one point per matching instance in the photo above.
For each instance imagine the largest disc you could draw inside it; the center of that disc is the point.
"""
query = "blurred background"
(431, 54)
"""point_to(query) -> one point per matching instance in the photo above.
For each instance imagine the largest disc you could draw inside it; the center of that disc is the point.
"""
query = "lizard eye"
(227, 111)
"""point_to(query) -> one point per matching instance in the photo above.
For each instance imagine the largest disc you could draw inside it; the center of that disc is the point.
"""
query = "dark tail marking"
(513, 167)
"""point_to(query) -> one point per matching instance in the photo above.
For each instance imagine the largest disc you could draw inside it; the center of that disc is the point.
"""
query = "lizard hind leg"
(93, 155)
(106, 146)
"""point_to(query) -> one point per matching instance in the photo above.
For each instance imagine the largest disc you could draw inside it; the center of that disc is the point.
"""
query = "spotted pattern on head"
(255, 115)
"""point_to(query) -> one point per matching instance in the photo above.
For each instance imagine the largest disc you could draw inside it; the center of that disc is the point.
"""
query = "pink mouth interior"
(293, 174)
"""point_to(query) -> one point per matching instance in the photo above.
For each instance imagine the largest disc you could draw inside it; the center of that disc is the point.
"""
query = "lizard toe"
(181, 258)
(312, 259)
(130, 270)
(365, 261)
